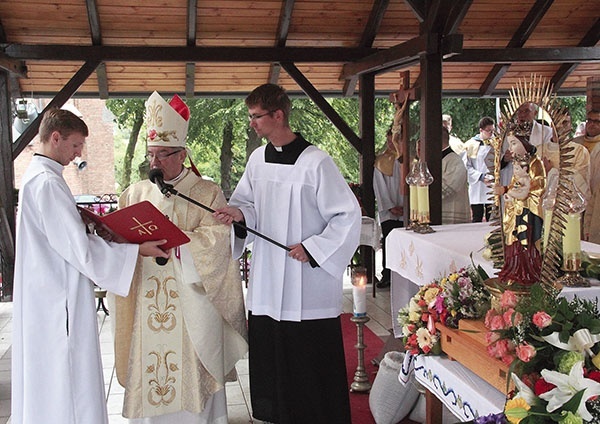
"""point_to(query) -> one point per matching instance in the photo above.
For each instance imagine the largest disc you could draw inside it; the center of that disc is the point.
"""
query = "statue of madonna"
(522, 220)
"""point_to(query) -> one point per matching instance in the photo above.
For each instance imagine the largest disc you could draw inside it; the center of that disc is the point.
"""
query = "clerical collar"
(288, 154)
(446, 152)
(47, 157)
(181, 175)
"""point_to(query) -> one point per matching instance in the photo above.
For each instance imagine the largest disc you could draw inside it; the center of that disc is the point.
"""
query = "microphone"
(157, 177)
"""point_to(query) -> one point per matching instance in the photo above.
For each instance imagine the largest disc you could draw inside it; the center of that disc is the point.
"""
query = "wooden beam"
(457, 15)
(418, 8)
(192, 19)
(367, 39)
(590, 39)
(533, 18)
(60, 99)
(190, 80)
(7, 184)
(406, 53)
(14, 66)
(102, 81)
(529, 55)
(366, 99)
(431, 129)
(322, 104)
(283, 27)
(190, 67)
(187, 54)
(94, 21)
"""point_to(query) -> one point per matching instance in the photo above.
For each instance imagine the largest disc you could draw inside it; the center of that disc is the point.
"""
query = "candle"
(414, 203)
(571, 236)
(423, 200)
(547, 223)
(359, 291)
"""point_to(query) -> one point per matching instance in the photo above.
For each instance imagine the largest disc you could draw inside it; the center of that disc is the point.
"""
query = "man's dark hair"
(270, 97)
(486, 121)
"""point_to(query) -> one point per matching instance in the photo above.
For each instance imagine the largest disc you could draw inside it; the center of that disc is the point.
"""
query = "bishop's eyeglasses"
(161, 155)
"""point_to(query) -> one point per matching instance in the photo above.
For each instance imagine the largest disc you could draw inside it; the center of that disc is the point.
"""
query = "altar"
(416, 259)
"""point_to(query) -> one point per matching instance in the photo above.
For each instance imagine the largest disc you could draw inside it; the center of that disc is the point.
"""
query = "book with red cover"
(138, 223)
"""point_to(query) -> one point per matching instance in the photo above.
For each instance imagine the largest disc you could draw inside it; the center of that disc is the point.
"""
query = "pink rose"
(525, 352)
(152, 134)
(491, 337)
(542, 319)
(508, 299)
(496, 323)
(507, 317)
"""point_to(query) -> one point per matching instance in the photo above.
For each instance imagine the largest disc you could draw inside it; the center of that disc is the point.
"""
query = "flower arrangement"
(550, 344)
(448, 299)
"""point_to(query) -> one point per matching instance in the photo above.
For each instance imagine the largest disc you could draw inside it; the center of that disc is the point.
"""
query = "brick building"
(98, 177)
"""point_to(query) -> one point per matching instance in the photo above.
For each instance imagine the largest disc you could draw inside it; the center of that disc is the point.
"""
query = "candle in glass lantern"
(571, 236)
(423, 199)
(359, 291)
(414, 203)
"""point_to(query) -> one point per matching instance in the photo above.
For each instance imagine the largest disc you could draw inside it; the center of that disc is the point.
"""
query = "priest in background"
(386, 184)
(292, 192)
(56, 366)
(182, 328)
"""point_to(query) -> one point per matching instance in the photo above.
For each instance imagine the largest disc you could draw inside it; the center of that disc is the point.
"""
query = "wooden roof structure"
(365, 48)
(216, 47)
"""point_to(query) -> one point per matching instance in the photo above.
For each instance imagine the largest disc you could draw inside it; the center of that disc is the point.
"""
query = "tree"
(129, 114)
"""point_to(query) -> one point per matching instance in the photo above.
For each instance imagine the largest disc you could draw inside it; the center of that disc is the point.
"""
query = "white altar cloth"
(465, 394)
(417, 259)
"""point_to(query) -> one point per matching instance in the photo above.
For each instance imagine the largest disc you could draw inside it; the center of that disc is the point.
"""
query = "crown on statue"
(519, 128)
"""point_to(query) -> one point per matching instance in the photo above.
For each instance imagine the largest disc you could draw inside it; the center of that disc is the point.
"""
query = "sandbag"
(390, 400)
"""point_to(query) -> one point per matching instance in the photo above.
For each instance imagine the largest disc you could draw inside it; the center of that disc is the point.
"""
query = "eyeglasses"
(160, 155)
(254, 116)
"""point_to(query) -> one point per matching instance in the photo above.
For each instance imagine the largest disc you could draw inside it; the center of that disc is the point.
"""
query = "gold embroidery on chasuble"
(162, 346)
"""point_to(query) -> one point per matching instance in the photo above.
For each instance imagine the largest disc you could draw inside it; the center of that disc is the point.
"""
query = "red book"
(138, 223)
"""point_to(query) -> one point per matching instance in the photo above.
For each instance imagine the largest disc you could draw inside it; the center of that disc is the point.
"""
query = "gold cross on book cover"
(138, 223)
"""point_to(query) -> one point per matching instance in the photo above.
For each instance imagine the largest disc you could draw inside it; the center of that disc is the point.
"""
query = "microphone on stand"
(157, 177)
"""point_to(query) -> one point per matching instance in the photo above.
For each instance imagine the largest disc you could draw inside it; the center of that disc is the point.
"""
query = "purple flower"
(492, 419)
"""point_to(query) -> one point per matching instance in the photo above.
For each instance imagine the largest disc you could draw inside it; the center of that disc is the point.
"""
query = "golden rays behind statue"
(534, 146)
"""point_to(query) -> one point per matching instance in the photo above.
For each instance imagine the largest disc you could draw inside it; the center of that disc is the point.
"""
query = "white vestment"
(455, 195)
(478, 166)
(307, 202)
(182, 329)
(56, 366)
(387, 193)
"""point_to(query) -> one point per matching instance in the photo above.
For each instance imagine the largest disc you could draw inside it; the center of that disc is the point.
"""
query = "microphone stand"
(168, 189)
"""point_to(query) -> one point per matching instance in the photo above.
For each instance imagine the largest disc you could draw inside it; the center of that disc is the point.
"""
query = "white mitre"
(167, 123)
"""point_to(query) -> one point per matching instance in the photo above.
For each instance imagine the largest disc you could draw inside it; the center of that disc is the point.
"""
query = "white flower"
(524, 391)
(567, 386)
(424, 338)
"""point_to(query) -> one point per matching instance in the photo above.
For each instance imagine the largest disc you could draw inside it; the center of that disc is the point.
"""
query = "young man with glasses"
(478, 157)
(292, 192)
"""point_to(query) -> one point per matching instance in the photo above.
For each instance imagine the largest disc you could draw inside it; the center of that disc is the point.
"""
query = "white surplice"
(56, 366)
(308, 202)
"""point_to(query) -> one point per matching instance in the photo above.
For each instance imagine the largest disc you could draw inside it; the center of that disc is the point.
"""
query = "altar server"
(292, 192)
(56, 366)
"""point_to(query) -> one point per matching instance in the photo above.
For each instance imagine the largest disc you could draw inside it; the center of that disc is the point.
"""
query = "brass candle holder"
(361, 381)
